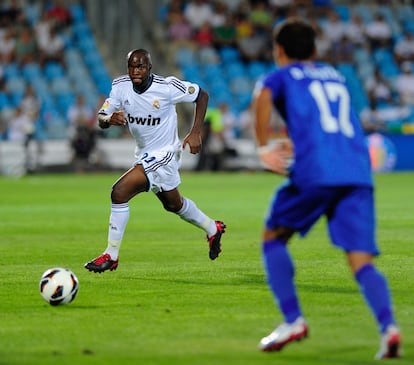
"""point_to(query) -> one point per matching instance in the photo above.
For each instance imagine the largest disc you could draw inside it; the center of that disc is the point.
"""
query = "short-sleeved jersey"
(329, 143)
(151, 115)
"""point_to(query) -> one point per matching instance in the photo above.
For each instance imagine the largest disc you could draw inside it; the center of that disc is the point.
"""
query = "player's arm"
(277, 157)
(106, 120)
(193, 138)
(263, 111)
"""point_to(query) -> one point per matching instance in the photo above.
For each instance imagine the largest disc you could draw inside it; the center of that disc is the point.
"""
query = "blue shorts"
(349, 211)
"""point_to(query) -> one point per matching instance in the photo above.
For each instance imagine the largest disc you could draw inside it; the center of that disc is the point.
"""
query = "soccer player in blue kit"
(329, 174)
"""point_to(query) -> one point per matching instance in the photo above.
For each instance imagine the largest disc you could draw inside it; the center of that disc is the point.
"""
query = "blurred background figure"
(22, 129)
(82, 133)
(211, 156)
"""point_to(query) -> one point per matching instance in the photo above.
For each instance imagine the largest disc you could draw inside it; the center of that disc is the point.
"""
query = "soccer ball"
(58, 286)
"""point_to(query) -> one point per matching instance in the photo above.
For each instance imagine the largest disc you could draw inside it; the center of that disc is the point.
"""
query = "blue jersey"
(329, 143)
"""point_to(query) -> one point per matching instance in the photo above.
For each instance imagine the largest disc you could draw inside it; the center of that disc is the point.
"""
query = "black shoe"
(214, 241)
(102, 263)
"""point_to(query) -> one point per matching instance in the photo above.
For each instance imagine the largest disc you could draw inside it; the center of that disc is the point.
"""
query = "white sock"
(192, 214)
(117, 224)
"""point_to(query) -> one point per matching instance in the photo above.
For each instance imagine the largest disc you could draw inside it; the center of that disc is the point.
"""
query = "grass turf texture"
(168, 303)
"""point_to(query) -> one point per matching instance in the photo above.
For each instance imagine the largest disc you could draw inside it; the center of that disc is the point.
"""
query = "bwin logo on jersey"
(144, 121)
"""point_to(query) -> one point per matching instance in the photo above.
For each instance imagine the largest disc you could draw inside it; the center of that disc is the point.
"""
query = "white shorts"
(161, 168)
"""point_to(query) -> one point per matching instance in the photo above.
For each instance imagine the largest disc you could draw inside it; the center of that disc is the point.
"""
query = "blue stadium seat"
(240, 85)
(55, 126)
(53, 70)
(365, 71)
(40, 86)
(343, 11)
(104, 85)
(185, 56)
(81, 30)
(64, 101)
(208, 56)
(60, 86)
(31, 71)
(11, 70)
(235, 69)
(4, 101)
(256, 69)
(229, 54)
(362, 56)
(32, 12)
(191, 71)
(73, 57)
(93, 60)
(87, 44)
(77, 12)
(365, 12)
(16, 85)
(211, 72)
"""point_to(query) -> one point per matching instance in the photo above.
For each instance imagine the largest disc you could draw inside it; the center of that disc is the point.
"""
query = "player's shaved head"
(138, 56)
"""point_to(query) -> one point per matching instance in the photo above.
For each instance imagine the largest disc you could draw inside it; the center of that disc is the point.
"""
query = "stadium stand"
(221, 69)
(240, 76)
(55, 84)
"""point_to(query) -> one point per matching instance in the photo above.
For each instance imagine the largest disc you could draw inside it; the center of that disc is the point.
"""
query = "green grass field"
(168, 303)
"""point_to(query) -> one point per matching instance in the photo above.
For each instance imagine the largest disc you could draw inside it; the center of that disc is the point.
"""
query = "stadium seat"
(256, 69)
(365, 12)
(4, 101)
(343, 11)
(40, 86)
(229, 54)
(211, 72)
(81, 30)
(185, 56)
(73, 57)
(191, 71)
(31, 71)
(208, 56)
(78, 14)
(11, 70)
(64, 101)
(240, 85)
(32, 12)
(16, 86)
(60, 86)
(55, 126)
(235, 69)
(87, 44)
(93, 60)
(53, 70)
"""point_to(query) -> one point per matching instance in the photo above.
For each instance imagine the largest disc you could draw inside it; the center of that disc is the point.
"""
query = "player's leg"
(297, 209)
(280, 274)
(374, 288)
(187, 210)
(133, 182)
(352, 228)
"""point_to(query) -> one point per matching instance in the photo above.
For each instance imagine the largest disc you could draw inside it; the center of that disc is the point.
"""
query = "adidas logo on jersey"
(144, 121)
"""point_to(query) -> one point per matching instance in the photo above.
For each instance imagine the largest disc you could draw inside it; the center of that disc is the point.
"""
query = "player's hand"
(118, 118)
(193, 140)
(277, 158)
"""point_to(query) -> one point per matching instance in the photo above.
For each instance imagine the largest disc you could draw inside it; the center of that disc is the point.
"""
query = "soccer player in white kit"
(147, 104)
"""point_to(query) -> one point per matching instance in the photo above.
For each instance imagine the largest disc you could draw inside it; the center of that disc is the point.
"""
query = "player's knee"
(279, 233)
(118, 195)
(171, 207)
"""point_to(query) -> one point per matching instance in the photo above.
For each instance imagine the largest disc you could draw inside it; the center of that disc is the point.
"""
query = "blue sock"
(374, 288)
(280, 273)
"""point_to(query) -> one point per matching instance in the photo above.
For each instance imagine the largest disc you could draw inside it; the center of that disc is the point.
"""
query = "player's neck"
(144, 86)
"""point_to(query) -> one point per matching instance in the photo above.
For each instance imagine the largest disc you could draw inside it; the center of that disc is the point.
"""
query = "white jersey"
(151, 116)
